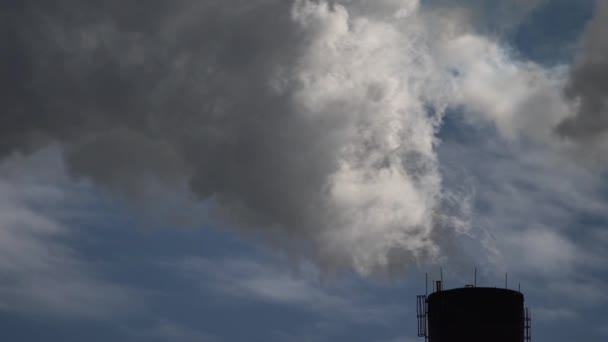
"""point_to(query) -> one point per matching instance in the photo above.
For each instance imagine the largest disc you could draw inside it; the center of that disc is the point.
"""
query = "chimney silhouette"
(473, 314)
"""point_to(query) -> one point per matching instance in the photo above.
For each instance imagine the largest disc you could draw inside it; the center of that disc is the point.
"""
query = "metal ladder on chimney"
(527, 325)
(421, 315)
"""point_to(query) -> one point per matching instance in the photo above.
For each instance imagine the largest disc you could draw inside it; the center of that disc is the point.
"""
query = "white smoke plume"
(314, 120)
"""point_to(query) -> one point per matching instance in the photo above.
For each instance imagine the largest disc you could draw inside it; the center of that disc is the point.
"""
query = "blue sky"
(260, 208)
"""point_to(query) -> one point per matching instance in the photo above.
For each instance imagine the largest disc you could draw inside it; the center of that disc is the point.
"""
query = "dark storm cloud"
(588, 84)
(163, 88)
(77, 69)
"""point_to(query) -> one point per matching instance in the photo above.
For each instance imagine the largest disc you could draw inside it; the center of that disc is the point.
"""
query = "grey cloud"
(310, 120)
(170, 90)
(588, 83)
(278, 114)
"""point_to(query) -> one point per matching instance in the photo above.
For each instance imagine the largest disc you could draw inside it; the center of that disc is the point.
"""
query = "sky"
(289, 170)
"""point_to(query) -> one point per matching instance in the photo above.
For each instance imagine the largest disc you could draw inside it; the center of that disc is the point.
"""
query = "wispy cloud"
(40, 273)
(168, 330)
(303, 289)
(539, 217)
(554, 314)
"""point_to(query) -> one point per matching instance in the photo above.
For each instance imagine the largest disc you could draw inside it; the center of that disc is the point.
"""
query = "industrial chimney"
(473, 314)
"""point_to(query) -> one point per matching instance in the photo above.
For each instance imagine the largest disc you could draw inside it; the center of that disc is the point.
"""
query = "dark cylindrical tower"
(476, 314)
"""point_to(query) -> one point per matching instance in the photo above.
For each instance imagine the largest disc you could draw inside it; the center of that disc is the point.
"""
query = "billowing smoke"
(311, 120)
(588, 84)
